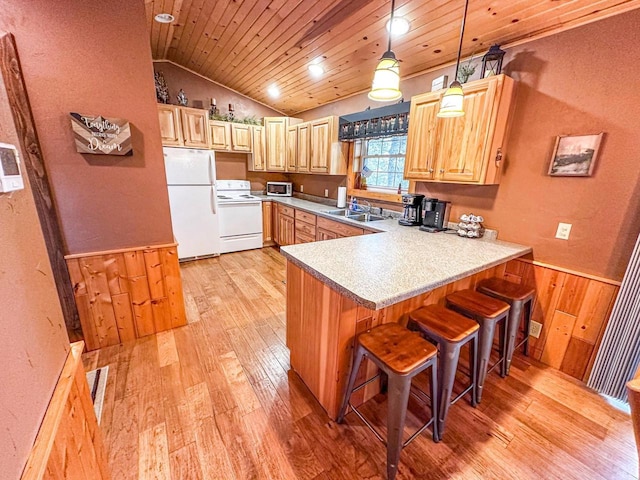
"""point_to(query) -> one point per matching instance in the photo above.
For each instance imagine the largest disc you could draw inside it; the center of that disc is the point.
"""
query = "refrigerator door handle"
(214, 201)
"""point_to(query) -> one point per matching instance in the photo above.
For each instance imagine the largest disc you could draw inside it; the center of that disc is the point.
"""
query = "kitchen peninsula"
(339, 288)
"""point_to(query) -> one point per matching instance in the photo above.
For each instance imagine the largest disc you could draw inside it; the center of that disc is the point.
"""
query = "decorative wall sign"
(575, 155)
(101, 136)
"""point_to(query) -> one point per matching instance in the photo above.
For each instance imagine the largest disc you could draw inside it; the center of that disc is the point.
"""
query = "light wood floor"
(216, 400)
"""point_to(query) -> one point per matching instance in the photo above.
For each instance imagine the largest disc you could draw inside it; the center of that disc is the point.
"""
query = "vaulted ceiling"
(249, 45)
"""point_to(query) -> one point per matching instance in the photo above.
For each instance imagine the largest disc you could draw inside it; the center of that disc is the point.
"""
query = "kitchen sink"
(359, 217)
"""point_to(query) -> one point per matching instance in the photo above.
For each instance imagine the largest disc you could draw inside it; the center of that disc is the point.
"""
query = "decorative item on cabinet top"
(377, 122)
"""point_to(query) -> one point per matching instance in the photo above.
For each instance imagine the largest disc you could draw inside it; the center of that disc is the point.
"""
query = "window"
(383, 163)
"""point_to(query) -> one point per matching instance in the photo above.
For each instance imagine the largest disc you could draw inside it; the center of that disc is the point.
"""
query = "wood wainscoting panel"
(69, 443)
(573, 310)
(123, 295)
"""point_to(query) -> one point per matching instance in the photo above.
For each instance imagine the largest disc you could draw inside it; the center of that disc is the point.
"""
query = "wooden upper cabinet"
(194, 127)
(321, 145)
(467, 149)
(241, 137)
(303, 143)
(292, 148)
(256, 161)
(422, 148)
(220, 135)
(275, 132)
(170, 125)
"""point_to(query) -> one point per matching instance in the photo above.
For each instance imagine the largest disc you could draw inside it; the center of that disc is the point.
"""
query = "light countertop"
(398, 263)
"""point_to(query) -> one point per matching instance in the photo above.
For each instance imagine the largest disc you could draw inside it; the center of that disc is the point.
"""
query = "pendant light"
(452, 101)
(386, 79)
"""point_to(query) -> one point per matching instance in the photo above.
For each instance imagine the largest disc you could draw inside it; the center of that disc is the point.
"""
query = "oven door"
(239, 218)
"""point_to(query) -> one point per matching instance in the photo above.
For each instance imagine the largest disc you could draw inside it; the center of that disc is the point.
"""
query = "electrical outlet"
(301, 188)
(563, 231)
(535, 329)
(326, 192)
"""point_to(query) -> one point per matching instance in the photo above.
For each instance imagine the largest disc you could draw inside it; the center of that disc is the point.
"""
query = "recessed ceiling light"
(400, 26)
(164, 18)
(273, 91)
(315, 69)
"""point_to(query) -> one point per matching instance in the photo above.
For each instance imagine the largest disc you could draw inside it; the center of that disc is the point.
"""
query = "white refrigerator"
(191, 180)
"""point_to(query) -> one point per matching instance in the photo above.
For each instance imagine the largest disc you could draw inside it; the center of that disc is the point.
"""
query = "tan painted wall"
(199, 89)
(94, 58)
(34, 339)
(233, 166)
(577, 82)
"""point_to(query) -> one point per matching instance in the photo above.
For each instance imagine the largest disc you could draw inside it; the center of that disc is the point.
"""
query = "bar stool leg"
(485, 340)
(513, 324)
(473, 361)
(449, 356)
(503, 347)
(527, 321)
(399, 387)
(357, 360)
(434, 401)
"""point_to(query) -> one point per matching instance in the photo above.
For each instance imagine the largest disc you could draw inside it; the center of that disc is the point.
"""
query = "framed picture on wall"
(575, 155)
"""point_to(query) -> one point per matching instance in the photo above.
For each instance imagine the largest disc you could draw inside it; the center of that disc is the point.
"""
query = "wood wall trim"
(127, 294)
(37, 173)
(118, 250)
(69, 443)
(571, 272)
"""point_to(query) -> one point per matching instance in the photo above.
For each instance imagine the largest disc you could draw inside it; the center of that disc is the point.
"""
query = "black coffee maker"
(412, 210)
(436, 215)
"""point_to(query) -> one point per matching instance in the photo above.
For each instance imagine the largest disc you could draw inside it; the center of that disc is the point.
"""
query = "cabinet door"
(257, 154)
(267, 223)
(286, 230)
(292, 148)
(240, 137)
(304, 159)
(321, 145)
(276, 140)
(194, 127)
(170, 130)
(464, 141)
(422, 138)
(220, 135)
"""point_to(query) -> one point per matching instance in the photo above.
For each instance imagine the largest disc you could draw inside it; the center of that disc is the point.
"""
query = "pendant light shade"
(452, 103)
(386, 79)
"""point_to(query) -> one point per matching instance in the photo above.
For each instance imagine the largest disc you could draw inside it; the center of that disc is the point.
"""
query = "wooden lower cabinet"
(286, 226)
(338, 228)
(322, 234)
(267, 224)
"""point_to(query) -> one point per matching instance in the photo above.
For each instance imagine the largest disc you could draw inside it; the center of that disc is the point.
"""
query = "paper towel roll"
(342, 197)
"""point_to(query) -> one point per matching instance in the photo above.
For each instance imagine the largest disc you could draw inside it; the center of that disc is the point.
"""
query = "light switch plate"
(326, 192)
(301, 188)
(564, 229)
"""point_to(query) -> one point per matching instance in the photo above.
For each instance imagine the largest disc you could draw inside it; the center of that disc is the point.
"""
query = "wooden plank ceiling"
(249, 45)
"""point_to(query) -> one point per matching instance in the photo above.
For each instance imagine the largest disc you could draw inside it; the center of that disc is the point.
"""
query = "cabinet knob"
(431, 170)
(442, 170)
(498, 157)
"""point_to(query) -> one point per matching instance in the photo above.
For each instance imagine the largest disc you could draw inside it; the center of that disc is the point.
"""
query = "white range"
(239, 216)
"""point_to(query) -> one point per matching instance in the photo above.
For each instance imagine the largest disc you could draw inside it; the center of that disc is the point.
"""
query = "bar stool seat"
(520, 298)
(450, 331)
(401, 355)
(487, 312)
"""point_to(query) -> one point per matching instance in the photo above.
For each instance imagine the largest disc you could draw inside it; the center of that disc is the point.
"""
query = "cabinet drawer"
(305, 228)
(306, 217)
(304, 238)
(341, 229)
(284, 210)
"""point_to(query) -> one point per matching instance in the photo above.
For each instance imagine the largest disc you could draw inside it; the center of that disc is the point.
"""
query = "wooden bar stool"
(401, 355)
(487, 311)
(450, 331)
(520, 298)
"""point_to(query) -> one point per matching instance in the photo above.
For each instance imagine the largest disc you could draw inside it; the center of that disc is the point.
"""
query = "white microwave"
(280, 189)
(10, 171)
